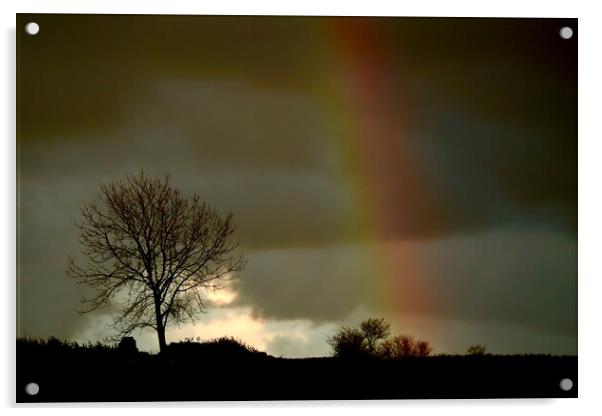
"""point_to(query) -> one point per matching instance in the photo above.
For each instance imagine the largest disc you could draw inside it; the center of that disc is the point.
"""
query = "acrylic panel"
(295, 207)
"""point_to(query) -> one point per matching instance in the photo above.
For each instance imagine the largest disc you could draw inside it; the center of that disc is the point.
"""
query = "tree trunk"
(161, 335)
(160, 326)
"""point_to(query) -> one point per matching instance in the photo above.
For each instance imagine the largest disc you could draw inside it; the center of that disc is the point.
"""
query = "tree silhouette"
(374, 329)
(153, 251)
(354, 342)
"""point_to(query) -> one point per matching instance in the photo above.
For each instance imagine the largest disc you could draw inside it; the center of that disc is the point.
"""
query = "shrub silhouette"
(348, 343)
(423, 349)
(476, 350)
(225, 347)
(127, 345)
(404, 346)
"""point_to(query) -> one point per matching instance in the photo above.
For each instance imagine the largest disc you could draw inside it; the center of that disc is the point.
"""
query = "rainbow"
(384, 177)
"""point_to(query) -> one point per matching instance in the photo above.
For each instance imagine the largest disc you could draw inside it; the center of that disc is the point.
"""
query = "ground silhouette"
(227, 369)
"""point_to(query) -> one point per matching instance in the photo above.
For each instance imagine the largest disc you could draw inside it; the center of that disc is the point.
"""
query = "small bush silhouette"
(348, 342)
(423, 349)
(127, 345)
(476, 350)
(229, 347)
(404, 346)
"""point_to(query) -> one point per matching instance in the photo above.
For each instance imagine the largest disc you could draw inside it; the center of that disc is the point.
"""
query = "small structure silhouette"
(127, 345)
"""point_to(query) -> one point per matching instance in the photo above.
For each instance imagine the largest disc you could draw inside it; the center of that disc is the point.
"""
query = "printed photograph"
(295, 208)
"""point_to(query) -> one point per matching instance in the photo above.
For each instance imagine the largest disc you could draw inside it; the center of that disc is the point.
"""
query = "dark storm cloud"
(93, 66)
(517, 276)
(497, 97)
(513, 70)
(322, 284)
(481, 173)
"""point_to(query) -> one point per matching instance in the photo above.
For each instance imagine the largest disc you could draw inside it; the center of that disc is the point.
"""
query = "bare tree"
(354, 342)
(153, 252)
(374, 330)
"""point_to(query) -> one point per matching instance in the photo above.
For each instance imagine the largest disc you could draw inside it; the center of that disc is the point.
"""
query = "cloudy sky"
(423, 170)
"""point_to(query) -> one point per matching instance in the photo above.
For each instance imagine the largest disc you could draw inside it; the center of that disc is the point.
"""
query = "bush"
(476, 350)
(404, 346)
(225, 347)
(348, 342)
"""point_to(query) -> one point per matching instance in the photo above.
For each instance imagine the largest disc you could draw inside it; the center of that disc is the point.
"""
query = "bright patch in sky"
(221, 297)
(289, 338)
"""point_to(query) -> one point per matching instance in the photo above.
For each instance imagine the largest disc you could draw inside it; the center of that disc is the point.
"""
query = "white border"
(514, 8)
(590, 184)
